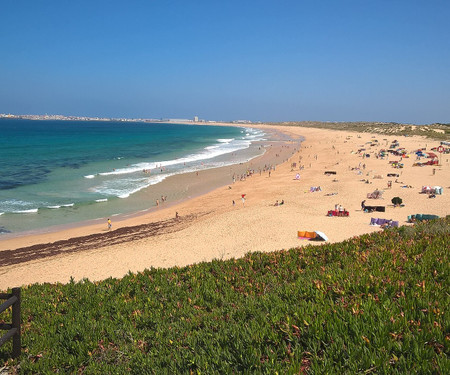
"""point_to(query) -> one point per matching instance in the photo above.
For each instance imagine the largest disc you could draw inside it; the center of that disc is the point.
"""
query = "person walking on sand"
(243, 200)
(109, 224)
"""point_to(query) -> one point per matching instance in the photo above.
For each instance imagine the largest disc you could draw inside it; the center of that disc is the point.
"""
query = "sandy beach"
(209, 225)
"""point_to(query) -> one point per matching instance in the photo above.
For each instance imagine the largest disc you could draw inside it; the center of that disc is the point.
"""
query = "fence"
(13, 329)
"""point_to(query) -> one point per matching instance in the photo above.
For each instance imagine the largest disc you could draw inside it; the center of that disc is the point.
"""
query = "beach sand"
(210, 227)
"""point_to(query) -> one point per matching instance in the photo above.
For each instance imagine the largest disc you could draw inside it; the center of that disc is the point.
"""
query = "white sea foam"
(31, 211)
(89, 176)
(19, 206)
(207, 153)
(102, 200)
(53, 207)
(123, 182)
(123, 188)
(68, 205)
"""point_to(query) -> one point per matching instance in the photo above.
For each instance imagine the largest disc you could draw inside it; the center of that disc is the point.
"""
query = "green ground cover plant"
(377, 303)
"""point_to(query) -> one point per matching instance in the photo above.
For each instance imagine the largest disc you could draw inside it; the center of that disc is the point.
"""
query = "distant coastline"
(195, 120)
(436, 131)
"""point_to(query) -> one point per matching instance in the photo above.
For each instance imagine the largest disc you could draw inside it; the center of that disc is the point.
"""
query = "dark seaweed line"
(95, 241)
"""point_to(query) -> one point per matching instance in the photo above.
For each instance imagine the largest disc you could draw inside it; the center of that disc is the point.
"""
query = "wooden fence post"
(13, 329)
(16, 323)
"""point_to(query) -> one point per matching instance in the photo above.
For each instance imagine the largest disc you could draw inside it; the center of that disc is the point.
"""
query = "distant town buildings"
(242, 122)
(195, 119)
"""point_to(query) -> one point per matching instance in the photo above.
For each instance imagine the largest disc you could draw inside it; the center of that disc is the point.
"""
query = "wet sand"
(209, 226)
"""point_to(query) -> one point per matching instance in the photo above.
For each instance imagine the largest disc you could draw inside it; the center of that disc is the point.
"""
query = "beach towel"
(306, 234)
(375, 208)
(379, 222)
(377, 194)
(337, 213)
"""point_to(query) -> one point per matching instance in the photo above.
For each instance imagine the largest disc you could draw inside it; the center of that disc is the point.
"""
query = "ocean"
(61, 172)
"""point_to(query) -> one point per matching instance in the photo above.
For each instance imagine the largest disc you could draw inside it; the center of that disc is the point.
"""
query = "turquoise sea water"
(55, 172)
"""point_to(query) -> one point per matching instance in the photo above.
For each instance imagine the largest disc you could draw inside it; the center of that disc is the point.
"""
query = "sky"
(280, 60)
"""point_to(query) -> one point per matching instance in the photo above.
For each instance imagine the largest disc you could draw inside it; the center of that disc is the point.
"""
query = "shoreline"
(220, 230)
(211, 179)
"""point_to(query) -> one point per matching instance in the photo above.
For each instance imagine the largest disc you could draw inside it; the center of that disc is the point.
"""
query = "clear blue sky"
(341, 60)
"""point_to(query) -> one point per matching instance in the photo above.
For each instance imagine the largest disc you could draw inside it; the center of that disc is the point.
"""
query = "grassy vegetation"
(432, 131)
(377, 303)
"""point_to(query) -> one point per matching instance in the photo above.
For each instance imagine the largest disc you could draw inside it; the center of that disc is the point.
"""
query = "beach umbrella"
(321, 235)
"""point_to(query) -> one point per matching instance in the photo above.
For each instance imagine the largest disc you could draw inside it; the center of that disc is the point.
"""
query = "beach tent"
(320, 236)
(432, 190)
(421, 217)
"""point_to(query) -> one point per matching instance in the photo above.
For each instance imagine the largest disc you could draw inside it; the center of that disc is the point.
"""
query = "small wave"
(223, 146)
(68, 205)
(102, 200)
(53, 207)
(1, 213)
(125, 187)
(31, 211)
(89, 176)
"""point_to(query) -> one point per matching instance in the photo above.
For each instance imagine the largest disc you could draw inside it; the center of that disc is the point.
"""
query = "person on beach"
(109, 224)
(363, 205)
(176, 215)
(234, 203)
(243, 200)
(157, 203)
